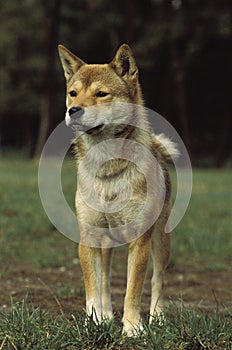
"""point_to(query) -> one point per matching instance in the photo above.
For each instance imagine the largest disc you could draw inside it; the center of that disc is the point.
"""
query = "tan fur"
(119, 82)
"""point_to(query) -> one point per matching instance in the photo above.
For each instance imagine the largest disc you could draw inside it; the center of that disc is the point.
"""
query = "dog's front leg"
(91, 264)
(106, 277)
(137, 266)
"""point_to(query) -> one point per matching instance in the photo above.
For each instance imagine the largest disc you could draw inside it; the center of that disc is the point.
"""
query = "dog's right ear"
(69, 61)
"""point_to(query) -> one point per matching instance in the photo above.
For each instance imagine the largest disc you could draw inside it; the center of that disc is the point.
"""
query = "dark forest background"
(183, 49)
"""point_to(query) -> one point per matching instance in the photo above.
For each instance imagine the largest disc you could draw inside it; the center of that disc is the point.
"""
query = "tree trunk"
(51, 24)
(128, 22)
(224, 138)
(223, 142)
(178, 77)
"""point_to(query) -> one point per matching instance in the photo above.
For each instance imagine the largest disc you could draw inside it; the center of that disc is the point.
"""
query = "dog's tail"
(169, 149)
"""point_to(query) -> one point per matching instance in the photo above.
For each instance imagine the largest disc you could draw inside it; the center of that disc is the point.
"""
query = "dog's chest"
(112, 190)
(117, 180)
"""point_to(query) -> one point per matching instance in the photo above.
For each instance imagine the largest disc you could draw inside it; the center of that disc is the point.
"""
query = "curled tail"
(167, 147)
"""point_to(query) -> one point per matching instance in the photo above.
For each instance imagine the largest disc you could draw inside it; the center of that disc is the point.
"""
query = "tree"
(48, 83)
(20, 62)
(183, 49)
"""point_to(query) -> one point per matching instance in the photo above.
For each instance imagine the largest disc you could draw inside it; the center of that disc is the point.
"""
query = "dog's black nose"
(75, 112)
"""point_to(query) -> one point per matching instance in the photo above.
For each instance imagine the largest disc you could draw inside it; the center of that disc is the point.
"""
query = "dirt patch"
(61, 289)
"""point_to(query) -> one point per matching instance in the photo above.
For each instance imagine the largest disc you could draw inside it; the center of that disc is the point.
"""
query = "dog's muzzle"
(75, 121)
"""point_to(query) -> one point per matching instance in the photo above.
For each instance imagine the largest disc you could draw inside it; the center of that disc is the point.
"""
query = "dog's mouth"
(95, 129)
(88, 130)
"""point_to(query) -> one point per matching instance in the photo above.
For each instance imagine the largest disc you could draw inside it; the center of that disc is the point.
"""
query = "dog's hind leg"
(160, 251)
(106, 277)
(91, 264)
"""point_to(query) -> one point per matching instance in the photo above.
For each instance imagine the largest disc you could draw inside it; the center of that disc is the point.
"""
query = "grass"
(27, 237)
(204, 232)
(27, 328)
(23, 221)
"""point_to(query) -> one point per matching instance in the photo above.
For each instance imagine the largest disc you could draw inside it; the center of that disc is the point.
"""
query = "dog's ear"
(124, 64)
(69, 61)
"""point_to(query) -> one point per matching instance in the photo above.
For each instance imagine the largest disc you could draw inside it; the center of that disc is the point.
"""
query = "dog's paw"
(132, 329)
(107, 315)
(157, 318)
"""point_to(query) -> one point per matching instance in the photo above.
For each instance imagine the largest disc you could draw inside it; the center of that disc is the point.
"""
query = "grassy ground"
(41, 288)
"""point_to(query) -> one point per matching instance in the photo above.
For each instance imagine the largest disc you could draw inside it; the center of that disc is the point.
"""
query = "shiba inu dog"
(123, 192)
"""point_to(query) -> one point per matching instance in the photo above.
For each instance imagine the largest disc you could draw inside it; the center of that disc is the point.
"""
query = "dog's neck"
(110, 156)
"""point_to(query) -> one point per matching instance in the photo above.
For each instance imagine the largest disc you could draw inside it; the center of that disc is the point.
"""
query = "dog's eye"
(72, 93)
(101, 94)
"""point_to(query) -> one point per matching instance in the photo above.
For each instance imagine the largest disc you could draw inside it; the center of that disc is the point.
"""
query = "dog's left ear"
(124, 64)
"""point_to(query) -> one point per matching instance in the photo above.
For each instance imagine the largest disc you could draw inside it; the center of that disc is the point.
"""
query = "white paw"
(107, 315)
(157, 317)
(132, 329)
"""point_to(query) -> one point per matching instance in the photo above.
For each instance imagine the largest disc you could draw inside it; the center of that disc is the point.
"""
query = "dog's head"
(95, 92)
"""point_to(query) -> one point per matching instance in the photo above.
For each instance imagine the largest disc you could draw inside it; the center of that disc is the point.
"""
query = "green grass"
(204, 232)
(23, 222)
(27, 237)
(27, 328)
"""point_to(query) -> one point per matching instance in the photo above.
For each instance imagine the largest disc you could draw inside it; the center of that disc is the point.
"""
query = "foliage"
(179, 38)
(21, 55)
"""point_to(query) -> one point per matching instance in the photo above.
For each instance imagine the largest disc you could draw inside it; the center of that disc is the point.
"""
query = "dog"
(124, 191)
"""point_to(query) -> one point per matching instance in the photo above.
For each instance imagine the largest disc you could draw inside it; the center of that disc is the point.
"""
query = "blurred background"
(183, 49)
